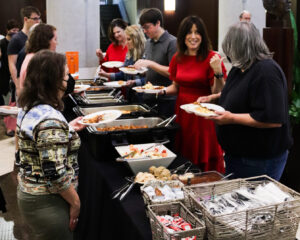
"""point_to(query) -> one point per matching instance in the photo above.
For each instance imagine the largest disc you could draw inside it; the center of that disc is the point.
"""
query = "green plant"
(294, 110)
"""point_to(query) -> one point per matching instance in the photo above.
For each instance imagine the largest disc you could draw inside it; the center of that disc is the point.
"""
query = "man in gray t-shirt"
(160, 48)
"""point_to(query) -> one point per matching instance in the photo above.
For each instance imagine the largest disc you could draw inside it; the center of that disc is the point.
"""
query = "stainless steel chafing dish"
(98, 95)
(127, 109)
(102, 143)
(150, 122)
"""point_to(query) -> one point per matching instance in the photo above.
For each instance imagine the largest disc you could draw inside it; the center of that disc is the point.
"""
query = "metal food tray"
(97, 101)
(98, 96)
(132, 108)
(149, 121)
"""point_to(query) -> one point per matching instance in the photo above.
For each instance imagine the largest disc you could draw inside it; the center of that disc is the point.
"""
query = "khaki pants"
(47, 215)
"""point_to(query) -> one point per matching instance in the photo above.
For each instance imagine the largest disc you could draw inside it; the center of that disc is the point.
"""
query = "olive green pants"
(47, 215)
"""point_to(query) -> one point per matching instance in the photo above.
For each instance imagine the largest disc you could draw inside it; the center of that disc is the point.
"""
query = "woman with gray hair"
(254, 130)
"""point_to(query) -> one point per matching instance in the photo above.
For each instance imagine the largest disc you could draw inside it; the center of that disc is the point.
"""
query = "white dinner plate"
(150, 91)
(9, 110)
(192, 108)
(80, 88)
(115, 84)
(133, 71)
(108, 116)
(113, 64)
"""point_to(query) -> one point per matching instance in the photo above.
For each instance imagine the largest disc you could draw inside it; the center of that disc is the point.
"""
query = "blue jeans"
(244, 167)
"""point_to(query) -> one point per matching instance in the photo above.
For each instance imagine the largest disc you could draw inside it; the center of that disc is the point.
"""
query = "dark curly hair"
(12, 23)
(117, 22)
(44, 80)
(184, 28)
(40, 38)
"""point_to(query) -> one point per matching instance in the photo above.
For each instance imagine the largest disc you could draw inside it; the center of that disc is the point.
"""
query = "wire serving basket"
(276, 221)
(159, 231)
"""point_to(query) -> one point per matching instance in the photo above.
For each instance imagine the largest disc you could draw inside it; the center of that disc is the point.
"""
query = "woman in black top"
(254, 130)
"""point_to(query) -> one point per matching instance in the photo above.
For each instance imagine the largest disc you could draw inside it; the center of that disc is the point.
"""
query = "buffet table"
(104, 218)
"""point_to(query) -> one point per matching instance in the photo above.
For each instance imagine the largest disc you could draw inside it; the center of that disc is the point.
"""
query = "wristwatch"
(219, 75)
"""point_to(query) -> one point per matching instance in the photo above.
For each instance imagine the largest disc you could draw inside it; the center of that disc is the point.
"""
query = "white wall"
(229, 11)
(77, 23)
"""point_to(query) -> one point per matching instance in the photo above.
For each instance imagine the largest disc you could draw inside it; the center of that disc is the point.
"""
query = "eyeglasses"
(35, 19)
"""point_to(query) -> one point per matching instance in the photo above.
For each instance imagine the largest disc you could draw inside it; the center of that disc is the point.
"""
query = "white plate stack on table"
(202, 109)
(94, 119)
(139, 159)
(9, 110)
(113, 64)
(115, 84)
(149, 88)
(133, 71)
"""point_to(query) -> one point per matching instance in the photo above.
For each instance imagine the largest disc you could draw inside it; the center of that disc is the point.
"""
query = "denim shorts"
(244, 167)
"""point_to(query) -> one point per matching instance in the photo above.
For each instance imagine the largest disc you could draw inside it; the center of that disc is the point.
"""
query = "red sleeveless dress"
(196, 140)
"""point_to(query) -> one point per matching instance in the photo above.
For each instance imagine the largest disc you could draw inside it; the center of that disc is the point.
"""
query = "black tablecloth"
(104, 218)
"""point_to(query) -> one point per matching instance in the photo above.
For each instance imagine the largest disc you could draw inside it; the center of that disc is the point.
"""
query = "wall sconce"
(170, 5)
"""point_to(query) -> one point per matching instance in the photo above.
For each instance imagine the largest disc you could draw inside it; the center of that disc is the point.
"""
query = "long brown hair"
(184, 28)
(40, 38)
(117, 22)
(44, 80)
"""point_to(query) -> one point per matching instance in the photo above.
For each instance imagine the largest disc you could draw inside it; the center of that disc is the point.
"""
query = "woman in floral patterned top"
(48, 150)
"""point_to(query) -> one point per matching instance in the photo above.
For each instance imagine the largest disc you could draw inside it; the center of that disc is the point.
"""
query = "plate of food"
(202, 109)
(115, 84)
(113, 64)
(133, 71)
(9, 110)
(96, 118)
(149, 88)
(81, 88)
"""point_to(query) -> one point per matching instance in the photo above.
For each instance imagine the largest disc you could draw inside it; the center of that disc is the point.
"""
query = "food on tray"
(94, 89)
(143, 177)
(149, 86)
(126, 112)
(175, 223)
(194, 178)
(121, 127)
(164, 192)
(121, 82)
(203, 109)
(136, 152)
(94, 119)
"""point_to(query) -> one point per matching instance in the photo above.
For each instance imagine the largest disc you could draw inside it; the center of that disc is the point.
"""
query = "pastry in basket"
(143, 177)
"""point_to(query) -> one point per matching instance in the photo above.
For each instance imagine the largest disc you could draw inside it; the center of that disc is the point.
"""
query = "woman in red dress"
(117, 50)
(195, 71)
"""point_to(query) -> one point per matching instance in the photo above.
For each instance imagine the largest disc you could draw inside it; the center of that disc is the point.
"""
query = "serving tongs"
(122, 158)
(166, 121)
(123, 191)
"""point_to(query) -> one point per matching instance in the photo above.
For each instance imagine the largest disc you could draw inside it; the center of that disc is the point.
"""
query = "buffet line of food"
(182, 203)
